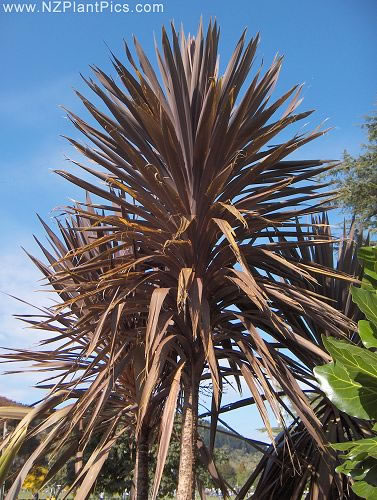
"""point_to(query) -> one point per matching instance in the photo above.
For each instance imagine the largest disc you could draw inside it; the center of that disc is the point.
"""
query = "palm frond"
(300, 468)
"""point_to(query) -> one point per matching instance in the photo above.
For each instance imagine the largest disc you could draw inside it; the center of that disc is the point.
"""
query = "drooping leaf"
(14, 412)
(365, 490)
(166, 429)
(367, 302)
(10, 452)
(368, 333)
(351, 381)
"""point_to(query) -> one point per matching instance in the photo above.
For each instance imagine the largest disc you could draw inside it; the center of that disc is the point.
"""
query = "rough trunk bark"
(79, 454)
(186, 479)
(141, 481)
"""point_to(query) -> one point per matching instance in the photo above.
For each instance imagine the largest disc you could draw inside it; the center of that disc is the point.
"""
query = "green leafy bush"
(350, 381)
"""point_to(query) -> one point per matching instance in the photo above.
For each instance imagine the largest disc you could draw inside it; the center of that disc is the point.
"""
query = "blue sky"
(329, 45)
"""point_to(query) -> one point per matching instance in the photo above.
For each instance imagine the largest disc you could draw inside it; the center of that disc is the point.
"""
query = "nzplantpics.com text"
(73, 6)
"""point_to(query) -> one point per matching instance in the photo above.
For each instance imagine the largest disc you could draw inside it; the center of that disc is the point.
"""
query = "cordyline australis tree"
(184, 269)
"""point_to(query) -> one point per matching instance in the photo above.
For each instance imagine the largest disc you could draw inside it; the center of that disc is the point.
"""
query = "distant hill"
(8, 402)
(225, 438)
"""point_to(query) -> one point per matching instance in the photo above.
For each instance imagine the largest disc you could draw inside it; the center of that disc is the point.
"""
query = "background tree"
(356, 179)
(233, 454)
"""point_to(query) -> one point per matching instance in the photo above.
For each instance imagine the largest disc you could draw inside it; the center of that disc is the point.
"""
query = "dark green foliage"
(117, 472)
(235, 459)
(356, 178)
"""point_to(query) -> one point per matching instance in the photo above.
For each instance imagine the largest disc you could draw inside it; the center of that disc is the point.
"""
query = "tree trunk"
(187, 469)
(79, 454)
(141, 479)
